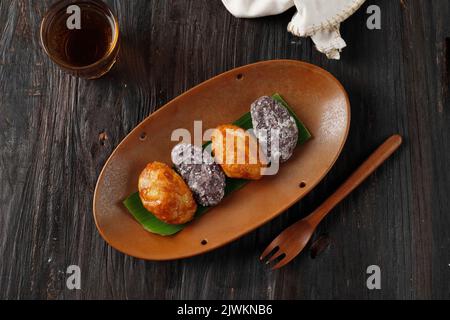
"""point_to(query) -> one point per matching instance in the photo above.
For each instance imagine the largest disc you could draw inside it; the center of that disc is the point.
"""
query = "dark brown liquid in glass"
(87, 45)
(91, 50)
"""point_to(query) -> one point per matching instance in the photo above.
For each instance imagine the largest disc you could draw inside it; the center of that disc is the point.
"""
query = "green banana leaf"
(152, 224)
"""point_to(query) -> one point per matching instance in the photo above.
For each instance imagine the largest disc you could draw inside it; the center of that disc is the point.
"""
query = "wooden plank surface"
(57, 131)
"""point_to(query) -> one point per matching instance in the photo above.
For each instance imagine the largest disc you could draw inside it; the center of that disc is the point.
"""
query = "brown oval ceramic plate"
(315, 95)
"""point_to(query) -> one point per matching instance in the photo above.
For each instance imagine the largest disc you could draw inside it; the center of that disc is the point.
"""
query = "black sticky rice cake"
(269, 116)
(204, 177)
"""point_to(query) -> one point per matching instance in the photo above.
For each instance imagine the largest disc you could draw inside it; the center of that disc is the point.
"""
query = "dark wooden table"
(57, 131)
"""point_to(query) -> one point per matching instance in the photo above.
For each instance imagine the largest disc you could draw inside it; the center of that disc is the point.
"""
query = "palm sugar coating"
(269, 117)
(237, 152)
(204, 177)
(164, 193)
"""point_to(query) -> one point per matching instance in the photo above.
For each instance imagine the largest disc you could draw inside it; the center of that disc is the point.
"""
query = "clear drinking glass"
(82, 37)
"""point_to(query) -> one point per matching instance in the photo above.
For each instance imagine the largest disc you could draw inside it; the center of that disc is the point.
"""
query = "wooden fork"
(292, 240)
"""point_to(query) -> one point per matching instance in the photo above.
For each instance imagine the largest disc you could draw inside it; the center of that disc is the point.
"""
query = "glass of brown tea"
(82, 37)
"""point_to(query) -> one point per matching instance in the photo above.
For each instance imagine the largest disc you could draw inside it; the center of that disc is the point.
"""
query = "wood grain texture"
(57, 131)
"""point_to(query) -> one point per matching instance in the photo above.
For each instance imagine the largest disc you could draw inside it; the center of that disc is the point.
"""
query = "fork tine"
(275, 256)
(266, 252)
(269, 249)
(283, 262)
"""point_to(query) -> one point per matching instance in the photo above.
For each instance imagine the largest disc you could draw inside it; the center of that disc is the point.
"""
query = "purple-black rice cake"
(204, 177)
(268, 116)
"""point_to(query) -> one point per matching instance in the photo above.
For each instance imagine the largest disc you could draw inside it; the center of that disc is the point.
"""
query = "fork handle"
(366, 169)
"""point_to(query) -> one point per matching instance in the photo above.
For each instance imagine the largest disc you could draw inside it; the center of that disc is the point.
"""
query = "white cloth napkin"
(318, 19)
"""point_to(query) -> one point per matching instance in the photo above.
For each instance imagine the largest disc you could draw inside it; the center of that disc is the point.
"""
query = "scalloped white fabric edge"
(318, 19)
